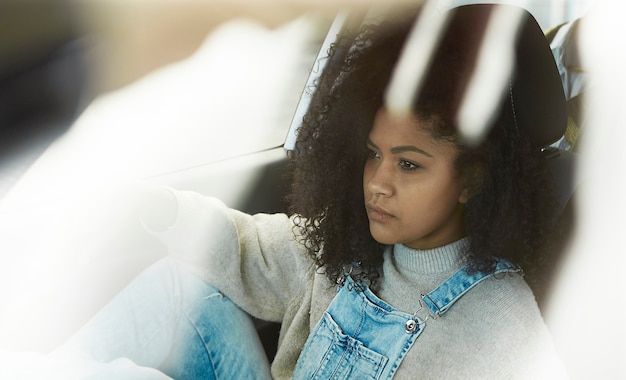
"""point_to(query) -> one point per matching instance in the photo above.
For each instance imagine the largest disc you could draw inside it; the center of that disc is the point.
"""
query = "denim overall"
(360, 336)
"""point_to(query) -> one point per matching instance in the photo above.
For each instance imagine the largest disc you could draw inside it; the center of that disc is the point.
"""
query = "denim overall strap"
(446, 294)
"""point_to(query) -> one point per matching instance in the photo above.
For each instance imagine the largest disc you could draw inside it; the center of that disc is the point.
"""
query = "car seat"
(563, 40)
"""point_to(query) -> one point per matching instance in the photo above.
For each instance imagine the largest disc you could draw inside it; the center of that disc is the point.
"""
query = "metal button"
(410, 326)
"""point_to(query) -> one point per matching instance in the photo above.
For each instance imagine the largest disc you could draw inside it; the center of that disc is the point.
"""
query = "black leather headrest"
(537, 93)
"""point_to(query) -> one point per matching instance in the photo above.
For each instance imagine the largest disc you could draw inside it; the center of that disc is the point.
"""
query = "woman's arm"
(256, 260)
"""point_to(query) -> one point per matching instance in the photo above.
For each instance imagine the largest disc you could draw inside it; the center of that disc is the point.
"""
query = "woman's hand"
(157, 206)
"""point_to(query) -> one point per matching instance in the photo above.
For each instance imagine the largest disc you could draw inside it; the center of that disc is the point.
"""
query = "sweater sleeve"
(256, 260)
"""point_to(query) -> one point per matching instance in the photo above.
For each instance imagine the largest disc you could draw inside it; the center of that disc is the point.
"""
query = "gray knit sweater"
(495, 331)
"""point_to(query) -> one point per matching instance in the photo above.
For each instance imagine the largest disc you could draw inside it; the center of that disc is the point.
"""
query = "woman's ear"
(473, 183)
(464, 197)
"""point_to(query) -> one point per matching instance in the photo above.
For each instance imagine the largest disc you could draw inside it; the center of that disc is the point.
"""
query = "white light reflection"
(415, 58)
(65, 228)
(234, 96)
(491, 78)
(587, 312)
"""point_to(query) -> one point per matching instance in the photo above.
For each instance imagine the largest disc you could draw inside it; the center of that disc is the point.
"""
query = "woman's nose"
(378, 181)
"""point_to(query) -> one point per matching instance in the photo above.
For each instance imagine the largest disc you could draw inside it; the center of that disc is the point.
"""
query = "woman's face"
(412, 193)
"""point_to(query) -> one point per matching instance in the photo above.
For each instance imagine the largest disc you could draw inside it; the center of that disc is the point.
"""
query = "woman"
(404, 254)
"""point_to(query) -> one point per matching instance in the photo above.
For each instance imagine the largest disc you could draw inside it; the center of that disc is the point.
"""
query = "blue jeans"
(170, 319)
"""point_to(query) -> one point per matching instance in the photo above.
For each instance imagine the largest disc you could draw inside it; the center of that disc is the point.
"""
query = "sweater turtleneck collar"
(435, 260)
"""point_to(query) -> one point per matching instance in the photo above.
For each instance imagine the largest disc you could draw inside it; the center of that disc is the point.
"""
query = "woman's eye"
(373, 154)
(408, 165)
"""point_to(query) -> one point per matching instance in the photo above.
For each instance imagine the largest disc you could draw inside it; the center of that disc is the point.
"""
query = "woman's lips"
(378, 214)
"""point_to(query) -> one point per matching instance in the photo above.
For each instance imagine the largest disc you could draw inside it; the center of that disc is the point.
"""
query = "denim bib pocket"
(335, 355)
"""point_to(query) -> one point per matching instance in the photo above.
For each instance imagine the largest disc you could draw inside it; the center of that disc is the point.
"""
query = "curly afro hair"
(506, 217)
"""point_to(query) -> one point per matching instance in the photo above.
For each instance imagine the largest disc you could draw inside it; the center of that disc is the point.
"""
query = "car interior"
(46, 95)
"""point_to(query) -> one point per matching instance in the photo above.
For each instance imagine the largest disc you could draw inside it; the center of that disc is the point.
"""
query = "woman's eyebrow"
(409, 148)
(401, 149)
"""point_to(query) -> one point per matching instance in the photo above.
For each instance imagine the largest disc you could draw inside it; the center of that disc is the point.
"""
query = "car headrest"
(536, 97)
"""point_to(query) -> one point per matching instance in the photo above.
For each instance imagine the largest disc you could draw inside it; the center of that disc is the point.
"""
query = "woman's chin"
(381, 237)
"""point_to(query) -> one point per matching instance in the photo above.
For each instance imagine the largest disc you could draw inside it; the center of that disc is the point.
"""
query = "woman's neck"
(435, 260)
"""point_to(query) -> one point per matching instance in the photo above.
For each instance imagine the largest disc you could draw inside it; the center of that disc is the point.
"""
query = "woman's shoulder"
(499, 312)
(504, 298)
(502, 323)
